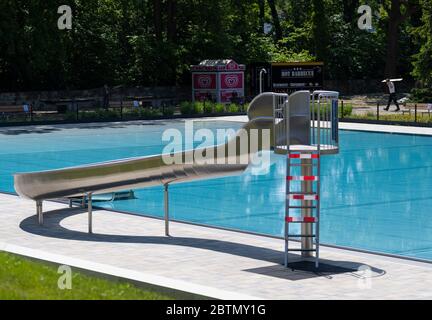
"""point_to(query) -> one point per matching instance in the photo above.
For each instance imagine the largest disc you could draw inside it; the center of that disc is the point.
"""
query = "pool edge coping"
(257, 234)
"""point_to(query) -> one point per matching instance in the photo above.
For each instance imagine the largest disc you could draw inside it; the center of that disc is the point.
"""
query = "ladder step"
(305, 197)
(301, 236)
(302, 250)
(302, 193)
(302, 207)
(302, 178)
(303, 165)
(301, 219)
(304, 156)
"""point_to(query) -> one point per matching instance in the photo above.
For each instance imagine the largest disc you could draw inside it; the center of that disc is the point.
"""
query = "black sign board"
(287, 77)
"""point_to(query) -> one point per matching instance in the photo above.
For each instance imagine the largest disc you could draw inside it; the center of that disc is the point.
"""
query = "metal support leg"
(166, 207)
(70, 203)
(83, 202)
(39, 212)
(90, 213)
(307, 228)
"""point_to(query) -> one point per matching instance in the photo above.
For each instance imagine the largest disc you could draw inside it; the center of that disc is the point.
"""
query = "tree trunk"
(395, 20)
(276, 21)
(261, 5)
(392, 50)
(157, 12)
(172, 20)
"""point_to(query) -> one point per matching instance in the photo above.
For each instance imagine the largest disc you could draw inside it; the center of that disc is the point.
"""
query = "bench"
(64, 105)
(140, 101)
(6, 111)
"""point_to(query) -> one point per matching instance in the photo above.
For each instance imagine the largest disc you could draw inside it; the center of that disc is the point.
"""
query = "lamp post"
(263, 71)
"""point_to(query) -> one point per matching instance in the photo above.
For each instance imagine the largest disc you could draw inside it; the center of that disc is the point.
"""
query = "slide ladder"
(305, 129)
(303, 193)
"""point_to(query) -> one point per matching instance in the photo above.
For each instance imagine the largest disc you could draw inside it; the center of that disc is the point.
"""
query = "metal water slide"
(147, 171)
(291, 122)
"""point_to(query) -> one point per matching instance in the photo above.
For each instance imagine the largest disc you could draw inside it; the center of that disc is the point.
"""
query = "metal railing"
(324, 122)
(280, 102)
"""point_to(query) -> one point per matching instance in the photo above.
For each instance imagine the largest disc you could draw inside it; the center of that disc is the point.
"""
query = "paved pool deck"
(210, 262)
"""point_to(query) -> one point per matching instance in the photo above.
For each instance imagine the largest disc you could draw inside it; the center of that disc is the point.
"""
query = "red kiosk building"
(218, 80)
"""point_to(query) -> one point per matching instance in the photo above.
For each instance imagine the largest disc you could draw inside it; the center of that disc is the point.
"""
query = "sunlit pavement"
(209, 262)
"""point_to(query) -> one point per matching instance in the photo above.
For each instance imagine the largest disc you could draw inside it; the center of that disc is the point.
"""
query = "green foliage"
(233, 108)
(189, 108)
(219, 108)
(168, 111)
(319, 28)
(198, 107)
(346, 111)
(120, 42)
(421, 95)
(208, 107)
(23, 279)
(394, 117)
(423, 59)
(186, 108)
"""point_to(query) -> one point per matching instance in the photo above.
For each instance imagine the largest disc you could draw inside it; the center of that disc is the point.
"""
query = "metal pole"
(415, 112)
(39, 212)
(70, 203)
(378, 111)
(83, 202)
(342, 109)
(306, 211)
(286, 114)
(166, 207)
(90, 213)
(261, 78)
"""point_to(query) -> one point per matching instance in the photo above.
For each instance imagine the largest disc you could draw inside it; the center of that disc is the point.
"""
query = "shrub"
(70, 116)
(324, 110)
(134, 112)
(219, 108)
(198, 107)
(186, 108)
(422, 95)
(346, 111)
(106, 114)
(208, 107)
(233, 108)
(168, 111)
(88, 115)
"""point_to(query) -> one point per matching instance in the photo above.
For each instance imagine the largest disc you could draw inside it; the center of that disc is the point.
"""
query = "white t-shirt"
(391, 87)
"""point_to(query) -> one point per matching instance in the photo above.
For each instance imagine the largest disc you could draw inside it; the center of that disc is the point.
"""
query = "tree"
(320, 34)
(423, 59)
(276, 20)
(172, 20)
(261, 5)
(157, 14)
(350, 10)
(396, 18)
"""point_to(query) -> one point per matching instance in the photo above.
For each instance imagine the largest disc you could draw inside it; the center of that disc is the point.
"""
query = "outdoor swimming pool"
(376, 194)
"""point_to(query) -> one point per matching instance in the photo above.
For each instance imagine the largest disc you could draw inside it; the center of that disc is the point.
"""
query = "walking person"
(392, 96)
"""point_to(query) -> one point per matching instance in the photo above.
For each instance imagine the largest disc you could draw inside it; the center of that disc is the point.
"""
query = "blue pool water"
(376, 194)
